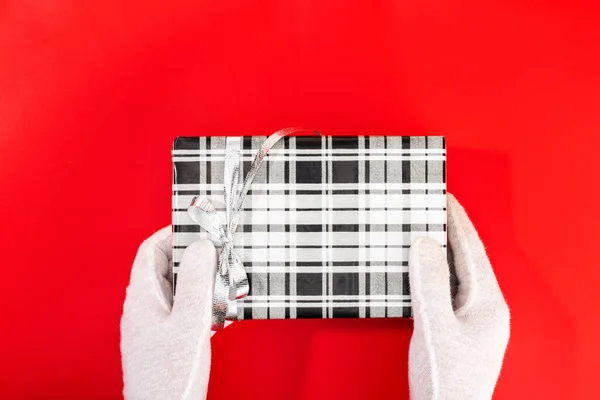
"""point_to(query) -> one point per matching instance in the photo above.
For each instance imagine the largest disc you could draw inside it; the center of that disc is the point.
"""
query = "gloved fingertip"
(427, 248)
(200, 252)
(162, 240)
(429, 279)
(196, 275)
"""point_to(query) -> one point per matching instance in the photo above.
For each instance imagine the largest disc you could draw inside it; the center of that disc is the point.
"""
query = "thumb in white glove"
(456, 350)
(165, 347)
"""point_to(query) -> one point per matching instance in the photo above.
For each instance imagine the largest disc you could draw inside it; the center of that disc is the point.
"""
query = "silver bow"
(231, 282)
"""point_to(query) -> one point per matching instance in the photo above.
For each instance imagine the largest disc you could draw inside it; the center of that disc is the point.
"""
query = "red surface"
(91, 96)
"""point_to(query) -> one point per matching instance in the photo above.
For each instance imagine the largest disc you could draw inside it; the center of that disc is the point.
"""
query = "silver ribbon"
(231, 282)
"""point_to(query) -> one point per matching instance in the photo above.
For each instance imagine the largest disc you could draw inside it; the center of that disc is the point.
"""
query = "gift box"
(309, 226)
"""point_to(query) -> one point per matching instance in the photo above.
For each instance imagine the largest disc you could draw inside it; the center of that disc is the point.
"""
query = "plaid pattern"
(326, 228)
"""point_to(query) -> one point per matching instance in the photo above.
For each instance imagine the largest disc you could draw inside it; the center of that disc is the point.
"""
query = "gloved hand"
(165, 347)
(457, 347)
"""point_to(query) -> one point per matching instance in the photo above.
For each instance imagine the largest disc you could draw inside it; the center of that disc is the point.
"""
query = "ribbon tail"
(220, 309)
(231, 284)
(239, 279)
(232, 310)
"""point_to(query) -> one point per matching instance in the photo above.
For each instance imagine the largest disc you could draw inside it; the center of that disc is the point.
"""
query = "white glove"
(165, 347)
(457, 349)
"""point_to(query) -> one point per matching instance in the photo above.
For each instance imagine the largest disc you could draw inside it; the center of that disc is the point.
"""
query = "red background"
(92, 95)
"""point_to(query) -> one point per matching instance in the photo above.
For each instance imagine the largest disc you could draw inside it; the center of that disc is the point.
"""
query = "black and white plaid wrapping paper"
(327, 225)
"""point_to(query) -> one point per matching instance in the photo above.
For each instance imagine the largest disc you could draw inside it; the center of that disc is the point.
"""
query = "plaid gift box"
(326, 227)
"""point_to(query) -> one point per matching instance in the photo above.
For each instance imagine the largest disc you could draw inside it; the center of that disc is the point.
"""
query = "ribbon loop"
(231, 282)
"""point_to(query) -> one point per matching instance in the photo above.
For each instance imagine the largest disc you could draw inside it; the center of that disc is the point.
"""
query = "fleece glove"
(165, 345)
(458, 344)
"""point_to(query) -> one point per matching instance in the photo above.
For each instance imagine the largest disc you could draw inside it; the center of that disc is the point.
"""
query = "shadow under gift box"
(326, 227)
